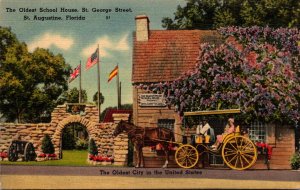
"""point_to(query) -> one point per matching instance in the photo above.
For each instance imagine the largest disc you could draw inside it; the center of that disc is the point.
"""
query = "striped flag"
(92, 60)
(75, 73)
(113, 73)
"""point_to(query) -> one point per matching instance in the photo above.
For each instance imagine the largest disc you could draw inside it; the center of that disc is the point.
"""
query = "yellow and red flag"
(113, 73)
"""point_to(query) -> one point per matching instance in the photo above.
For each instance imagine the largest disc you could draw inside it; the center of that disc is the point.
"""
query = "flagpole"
(118, 87)
(98, 76)
(120, 92)
(80, 83)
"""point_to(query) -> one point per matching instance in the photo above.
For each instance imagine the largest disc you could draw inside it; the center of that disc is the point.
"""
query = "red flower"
(42, 155)
(52, 155)
(91, 157)
(3, 155)
(98, 158)
(265, 145)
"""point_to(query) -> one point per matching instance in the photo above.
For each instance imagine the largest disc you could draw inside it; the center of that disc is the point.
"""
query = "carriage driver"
(202, 128)
(205, 129)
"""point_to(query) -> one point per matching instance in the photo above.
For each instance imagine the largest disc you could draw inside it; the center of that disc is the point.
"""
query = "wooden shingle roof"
(168, 54)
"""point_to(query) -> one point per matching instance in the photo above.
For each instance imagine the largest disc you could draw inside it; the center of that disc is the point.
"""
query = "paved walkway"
(110, 182)
(54, 177)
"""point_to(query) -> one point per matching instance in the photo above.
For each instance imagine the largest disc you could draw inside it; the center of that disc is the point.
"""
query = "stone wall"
(100, 132)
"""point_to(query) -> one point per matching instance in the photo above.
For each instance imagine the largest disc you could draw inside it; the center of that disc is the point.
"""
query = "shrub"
(68, 140)
(47, 145)
(93, 147)
(81, 144)
(295, 161)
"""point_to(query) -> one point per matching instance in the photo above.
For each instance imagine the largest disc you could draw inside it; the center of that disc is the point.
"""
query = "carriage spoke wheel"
(12, 152)
(239, 153)
(29, 153)
(186, 156)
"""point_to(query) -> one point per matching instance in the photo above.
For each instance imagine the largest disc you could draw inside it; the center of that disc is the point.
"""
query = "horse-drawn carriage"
(237, 150)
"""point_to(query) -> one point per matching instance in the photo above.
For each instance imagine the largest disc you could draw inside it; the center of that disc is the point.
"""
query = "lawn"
(70, 158)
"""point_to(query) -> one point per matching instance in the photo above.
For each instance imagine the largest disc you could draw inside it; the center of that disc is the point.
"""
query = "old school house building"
(164, 55)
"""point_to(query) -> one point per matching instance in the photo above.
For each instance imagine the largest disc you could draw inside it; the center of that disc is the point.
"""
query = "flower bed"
(265, 148)
(100, 160)
(3, 156)
(43, 157)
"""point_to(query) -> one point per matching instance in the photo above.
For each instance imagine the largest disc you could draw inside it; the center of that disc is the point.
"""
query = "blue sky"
(76, 40)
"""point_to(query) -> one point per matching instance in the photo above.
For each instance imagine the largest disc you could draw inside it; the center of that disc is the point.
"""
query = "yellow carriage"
(237, 150)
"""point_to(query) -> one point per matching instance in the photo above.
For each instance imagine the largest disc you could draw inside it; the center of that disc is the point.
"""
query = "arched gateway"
(86, 115)
(61, 117)
(57, 136)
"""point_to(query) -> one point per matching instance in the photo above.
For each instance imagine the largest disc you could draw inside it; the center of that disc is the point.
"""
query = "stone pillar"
(121, 150)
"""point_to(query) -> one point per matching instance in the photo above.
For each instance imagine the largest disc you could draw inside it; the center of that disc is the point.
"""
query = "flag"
(113, 73)
(92, 60)
(75, 73)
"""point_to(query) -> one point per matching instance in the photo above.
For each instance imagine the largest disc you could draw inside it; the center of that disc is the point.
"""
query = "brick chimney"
(142, 28)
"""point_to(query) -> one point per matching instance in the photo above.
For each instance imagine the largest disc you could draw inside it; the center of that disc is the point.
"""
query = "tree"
(47, 145)
(254, 70)
(30, 83)
(72, 96)
(93, 147)
(95, 98)
(211, 14)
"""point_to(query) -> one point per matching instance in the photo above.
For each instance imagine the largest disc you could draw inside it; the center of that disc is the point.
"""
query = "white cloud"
(48, 39)
(107, 44)
(123, 44)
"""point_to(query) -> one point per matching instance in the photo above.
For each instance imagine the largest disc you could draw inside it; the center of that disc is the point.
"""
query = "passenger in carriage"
(230, 128)
(206, 130)
(202, 128)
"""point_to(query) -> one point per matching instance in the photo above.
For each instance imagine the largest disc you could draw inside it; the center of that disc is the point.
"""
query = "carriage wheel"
(239, 152)
(186, 156)
(29, 153)
(12, 152)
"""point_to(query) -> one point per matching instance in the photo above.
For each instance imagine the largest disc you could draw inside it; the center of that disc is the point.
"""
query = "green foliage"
(47, 145)
(30, 83)
(295, 161)
(95, 98)
(71, 139)
(81, 144)
(72, 96)
(93, 147)
(68, 139)
(211, 14)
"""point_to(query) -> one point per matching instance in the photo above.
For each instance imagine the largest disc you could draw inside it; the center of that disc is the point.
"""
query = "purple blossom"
(266, 86)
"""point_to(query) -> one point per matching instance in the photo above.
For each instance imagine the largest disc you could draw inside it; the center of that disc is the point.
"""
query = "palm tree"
(95, 98)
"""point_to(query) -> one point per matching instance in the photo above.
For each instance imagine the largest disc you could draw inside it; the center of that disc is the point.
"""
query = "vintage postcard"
(149, 94)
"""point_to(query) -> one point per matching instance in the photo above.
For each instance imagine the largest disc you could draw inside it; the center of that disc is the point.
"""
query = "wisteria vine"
(256, 70)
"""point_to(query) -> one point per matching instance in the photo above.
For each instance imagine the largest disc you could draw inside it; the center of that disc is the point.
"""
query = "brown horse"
(141, 137)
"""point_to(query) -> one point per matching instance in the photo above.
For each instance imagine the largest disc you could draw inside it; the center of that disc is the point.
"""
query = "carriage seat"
(236, 132)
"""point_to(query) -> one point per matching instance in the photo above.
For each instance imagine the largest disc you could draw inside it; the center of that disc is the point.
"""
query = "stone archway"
(61, 117)
(57, 136)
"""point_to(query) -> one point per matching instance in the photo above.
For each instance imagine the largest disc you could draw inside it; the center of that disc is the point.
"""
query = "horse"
(141, 137)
